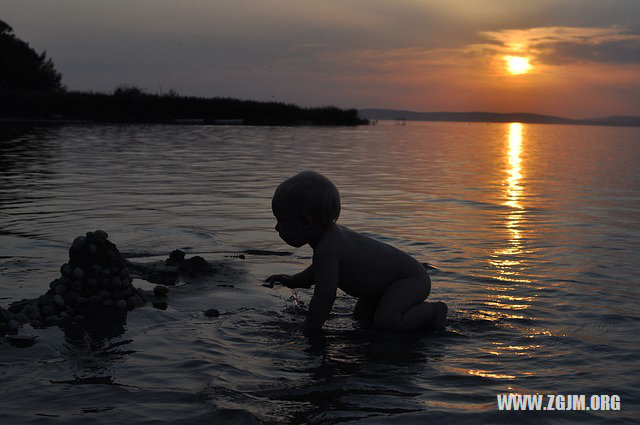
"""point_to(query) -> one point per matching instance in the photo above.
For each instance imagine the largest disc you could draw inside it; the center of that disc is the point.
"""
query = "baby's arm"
(325, 273)
(304, 279)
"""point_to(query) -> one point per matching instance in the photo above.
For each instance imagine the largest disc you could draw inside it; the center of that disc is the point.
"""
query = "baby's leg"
(365, 309)
(402, 306)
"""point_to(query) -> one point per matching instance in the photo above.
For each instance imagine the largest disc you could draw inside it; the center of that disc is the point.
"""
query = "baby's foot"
(439, 317)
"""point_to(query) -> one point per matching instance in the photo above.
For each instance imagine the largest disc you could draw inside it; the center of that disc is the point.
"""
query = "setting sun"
(517, 64)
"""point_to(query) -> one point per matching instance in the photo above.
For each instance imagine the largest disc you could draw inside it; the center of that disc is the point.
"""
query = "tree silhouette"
(21, 68)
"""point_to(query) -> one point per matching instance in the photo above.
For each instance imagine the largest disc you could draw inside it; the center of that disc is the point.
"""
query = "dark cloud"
(618, 52)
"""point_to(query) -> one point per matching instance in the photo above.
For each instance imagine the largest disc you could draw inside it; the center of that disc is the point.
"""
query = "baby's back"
(367, 265)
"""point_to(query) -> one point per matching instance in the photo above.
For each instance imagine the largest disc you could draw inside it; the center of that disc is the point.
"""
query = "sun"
(517, 64)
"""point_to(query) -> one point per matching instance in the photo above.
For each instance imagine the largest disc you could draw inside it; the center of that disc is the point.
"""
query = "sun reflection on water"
(507, 260)
(502, 298)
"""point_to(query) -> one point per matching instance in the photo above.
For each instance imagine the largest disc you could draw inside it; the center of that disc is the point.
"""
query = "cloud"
(566, 45)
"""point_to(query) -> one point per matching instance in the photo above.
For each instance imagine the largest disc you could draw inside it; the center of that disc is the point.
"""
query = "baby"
(390, 285)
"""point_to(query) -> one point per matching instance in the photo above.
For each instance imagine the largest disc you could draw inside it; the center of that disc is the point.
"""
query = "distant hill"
(392, 114)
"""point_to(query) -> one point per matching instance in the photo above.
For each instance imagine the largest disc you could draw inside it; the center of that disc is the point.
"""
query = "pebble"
(105, 294)
(121, 304)
(78, 272)
(61, 290)
(66, 269)
(50, 320)
(22, 318)
(12, 325)
(64, 314)
(107, 303)
(101, 234)
(58, 300)
(72, 297)
(160, 290)
(79, 317)
(43, 299)
(97, 269)
(53, 284)
(76, 286)
(78, 243)
(47, 310)
(132, 301)
(162, 305)
(82, 300)
(212, 312)
(176, 256)
(116, 282)
(92, 249)
(21, 341)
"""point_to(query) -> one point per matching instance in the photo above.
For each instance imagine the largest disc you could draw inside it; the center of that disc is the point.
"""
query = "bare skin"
(391, 286)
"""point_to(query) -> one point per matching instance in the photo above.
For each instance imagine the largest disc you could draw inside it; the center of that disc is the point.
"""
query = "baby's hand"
(282, 279)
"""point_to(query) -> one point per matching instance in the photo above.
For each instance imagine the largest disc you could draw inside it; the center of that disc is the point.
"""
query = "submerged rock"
(212, 312)
(160, 290)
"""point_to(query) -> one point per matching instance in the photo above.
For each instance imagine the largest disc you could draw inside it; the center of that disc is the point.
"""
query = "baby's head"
(306, 202)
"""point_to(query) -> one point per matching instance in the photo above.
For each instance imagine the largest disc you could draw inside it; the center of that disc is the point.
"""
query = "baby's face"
(290, 228)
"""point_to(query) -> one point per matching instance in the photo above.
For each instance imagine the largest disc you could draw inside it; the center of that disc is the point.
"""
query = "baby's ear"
(305, 219)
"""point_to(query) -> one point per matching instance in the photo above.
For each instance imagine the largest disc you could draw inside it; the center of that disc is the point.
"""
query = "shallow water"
(534, 231)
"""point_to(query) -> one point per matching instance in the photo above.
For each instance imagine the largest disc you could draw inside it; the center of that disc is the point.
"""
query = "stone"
(82, 300)
(78, 243)
(105, 294)
(64, 315)
(116, 282)
(51, 320)
(92, 249)
(78, 272)
(66, 269)
(160, 290)
(12, 326)
(176, 257)
(107, 303)
(121, 304)
(161, 305)
(101, 234)
(72, 297)
(58, 300)
(212, 312)
(97, 269)
(78, 317)
(76, 286)
(22, 318)
(47, 310)
(61, 290)
(44, 300)
(21, 341)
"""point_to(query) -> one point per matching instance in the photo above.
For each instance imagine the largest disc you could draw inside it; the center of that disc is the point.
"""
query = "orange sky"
(438, 55)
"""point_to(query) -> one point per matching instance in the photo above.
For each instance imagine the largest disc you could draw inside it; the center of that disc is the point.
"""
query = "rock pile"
(94, 283)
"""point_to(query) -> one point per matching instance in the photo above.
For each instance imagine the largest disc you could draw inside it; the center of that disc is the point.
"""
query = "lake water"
(534, 231)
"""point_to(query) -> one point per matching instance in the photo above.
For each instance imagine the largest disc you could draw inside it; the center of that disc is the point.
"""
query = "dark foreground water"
(534, 230)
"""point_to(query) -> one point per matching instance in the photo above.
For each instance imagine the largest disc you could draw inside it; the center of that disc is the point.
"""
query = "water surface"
(534, 231)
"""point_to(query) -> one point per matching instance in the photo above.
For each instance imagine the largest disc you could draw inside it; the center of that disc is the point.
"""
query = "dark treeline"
(31, 89)
(131, 105)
